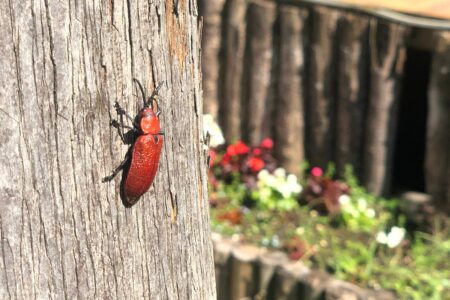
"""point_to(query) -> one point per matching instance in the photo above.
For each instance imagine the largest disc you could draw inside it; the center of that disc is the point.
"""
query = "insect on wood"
(141, 161)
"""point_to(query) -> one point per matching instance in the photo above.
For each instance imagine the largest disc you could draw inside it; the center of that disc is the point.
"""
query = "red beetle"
(141, 162)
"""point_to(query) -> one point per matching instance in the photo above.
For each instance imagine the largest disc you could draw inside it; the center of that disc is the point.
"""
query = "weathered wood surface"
(437, 163)
(258, 71)
(63, 233)
(289, 100)
(233, 61)
(352, 86)
(320, 106)
(387, 57)
(211, 10)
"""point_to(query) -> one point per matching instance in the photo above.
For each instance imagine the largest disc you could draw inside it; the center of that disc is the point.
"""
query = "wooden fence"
(326, 83)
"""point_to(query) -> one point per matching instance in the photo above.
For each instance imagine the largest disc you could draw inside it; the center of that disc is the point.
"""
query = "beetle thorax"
(148, 121)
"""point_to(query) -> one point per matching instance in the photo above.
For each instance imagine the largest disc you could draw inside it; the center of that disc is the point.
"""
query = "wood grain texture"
(257, 113)
(233, 60)
(64, 234)
(289, 100)
(211, 11)
(437, 164)
(352, 91)
(387, 59)
(320, 105)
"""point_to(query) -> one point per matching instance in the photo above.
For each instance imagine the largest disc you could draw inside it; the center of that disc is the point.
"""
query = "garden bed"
(318, 225)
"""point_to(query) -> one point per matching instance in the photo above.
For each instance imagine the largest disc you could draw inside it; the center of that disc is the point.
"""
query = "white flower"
(344, 200)
(211, 127)
(263, 174)
(382, 238)
(292, 179)
(279, 173)
(370, 213)
(362, 204)
(393, 238)
(300, 230)
(275, 241)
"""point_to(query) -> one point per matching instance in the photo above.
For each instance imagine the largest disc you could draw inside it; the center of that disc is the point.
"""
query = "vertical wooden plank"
(321, 86)
(244, 272)
(233, 61)
(352, 69)
(289, 129)
(222, 263)
(258, 68)
(437, 165)
(386, 68)
(211, 10)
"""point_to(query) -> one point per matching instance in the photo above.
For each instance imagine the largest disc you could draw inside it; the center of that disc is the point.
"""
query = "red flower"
(257, 151)
(241, 148)
(231, 150)
(316, 172)
(267, 143)
(255, 164)
(226, 159)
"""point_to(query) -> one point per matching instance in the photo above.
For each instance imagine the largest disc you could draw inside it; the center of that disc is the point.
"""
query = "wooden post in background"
(320, 103)
(437, 165)
(211, 10)
(387, 57)
(352, 71)
(232, 68)
(258, 70)
(289, 125)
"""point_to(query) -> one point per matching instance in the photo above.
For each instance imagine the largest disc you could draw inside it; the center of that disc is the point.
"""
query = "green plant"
(362, 241)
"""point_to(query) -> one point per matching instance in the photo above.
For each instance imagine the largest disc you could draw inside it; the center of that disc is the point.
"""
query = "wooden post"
(244, 271)
(258, 71)
(352, 70)
(289, 127)
(437, 165)
(63, 233)
(387, 59)
(211, 10)
(320, 104)
(233, 48)
(268, 265)
(222, 263)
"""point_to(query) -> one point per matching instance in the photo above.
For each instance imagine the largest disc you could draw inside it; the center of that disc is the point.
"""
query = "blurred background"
(330, 129)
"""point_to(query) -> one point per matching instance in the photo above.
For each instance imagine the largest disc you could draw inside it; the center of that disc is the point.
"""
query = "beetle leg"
(121, 112)
(120, 126)
(117, 170)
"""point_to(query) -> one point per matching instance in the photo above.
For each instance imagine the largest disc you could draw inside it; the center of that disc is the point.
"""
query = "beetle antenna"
(154, 97)
(142, 90)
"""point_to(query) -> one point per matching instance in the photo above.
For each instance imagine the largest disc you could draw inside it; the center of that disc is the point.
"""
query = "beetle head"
(148, 121)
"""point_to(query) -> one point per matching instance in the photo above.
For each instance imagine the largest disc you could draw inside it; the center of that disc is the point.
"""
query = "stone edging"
(248, 272)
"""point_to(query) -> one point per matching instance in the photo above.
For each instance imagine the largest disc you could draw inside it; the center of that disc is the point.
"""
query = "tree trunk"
(437, 166)
(386, 68)
(351, 91)
(321, 87)
(63, 233)
(289, 129)
(211, 10)
(258, 69)
(233, 60)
